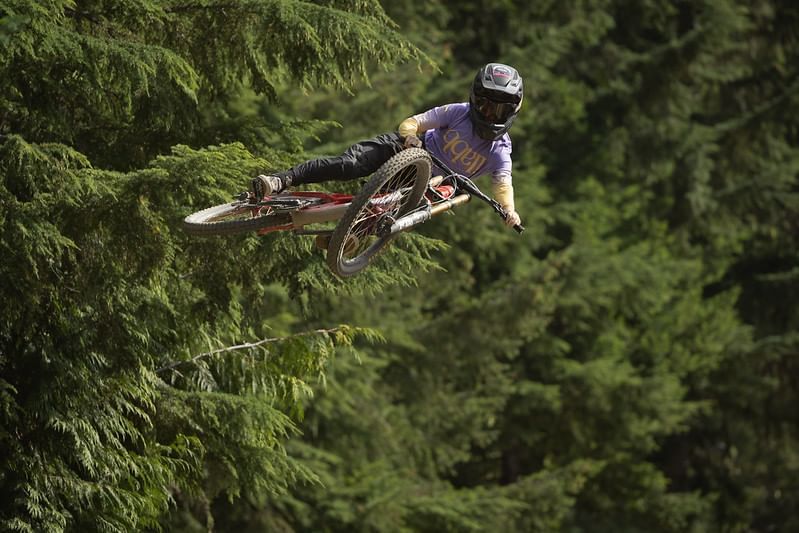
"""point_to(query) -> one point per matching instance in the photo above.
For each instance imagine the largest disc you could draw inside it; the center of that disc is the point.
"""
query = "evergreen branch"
(82, 15)
(762, 108)
(198, 7)
(248, 346)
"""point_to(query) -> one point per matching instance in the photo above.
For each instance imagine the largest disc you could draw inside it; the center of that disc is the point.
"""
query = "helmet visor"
(496, 112)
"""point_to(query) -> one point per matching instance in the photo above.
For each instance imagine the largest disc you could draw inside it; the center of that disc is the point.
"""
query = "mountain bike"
(399, 196)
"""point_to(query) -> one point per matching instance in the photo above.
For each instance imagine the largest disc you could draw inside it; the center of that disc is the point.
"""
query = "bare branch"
(246, 346)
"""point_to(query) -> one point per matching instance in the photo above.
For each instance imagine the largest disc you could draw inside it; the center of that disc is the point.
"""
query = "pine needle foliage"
(625, 365)
(142, 72)
(105, 300)
(122, 396)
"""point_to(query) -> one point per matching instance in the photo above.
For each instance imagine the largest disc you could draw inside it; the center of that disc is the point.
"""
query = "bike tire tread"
(196, 223)
(338, 239)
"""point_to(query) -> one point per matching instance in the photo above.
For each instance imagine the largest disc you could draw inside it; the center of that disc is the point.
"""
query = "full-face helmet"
(495, 100)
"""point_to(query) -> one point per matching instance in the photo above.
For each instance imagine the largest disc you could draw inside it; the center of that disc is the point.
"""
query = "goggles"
(496, 112)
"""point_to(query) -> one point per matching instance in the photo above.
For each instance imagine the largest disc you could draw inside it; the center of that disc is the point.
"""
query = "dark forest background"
(629, 364)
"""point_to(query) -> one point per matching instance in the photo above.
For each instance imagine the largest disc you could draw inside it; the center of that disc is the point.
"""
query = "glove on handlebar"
(512, 219)
(412, 141)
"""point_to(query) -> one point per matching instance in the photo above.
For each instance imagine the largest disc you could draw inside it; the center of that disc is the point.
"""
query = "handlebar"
(468, 185)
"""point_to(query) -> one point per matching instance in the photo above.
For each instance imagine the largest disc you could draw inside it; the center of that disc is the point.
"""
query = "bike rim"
(234, 212)
(383, 208)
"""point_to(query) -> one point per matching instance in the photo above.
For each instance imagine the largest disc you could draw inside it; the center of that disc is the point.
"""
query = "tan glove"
(512, 218)
(412, 141)
(408, 129)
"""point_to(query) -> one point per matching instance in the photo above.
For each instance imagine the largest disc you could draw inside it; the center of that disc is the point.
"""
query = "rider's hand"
(412, 141)
(512, 218)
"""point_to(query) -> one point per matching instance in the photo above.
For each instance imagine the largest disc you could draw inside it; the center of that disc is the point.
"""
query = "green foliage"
(654, 167)
(142, 73)
(122, 385)
(106, 293)
(624, 365)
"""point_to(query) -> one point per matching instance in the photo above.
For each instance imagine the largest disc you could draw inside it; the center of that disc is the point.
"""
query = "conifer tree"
(625, 365)
(139, 369)
(632, 355)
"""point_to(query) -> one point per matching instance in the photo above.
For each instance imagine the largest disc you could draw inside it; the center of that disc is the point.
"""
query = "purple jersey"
(449, 136)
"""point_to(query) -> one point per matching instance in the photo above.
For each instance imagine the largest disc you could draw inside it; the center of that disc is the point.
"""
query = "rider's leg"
(359, 160)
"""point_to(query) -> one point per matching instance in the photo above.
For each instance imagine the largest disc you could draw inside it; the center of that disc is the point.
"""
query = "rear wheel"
(394, 190)
(243, 216)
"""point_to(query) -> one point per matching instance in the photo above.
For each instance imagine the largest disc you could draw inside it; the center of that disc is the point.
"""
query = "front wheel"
(394, 190)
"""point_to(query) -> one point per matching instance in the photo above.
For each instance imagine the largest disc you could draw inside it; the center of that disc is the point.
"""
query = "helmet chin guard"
(495, 99)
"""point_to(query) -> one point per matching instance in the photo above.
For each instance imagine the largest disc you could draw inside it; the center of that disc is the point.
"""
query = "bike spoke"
(365, 228)
(238, 213)
(388, 204)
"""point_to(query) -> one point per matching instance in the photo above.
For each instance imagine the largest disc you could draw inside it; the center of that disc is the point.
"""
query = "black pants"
(360, 160)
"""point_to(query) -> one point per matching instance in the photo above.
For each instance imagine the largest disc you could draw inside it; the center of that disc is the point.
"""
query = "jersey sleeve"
(501, 176)
(502, 164)
(437, 117)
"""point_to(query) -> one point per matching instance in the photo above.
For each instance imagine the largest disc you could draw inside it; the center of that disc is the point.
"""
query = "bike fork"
(423, 215)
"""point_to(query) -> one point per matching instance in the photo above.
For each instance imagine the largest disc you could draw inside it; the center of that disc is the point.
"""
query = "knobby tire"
(408, 170)
(215, 221)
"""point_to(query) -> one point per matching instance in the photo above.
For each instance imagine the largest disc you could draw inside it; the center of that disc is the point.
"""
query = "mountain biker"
(470, 137)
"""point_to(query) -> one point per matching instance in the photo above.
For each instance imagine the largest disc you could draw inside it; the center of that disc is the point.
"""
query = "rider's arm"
(408, 132)
(502, 190)
(430, 119)
(409, 126)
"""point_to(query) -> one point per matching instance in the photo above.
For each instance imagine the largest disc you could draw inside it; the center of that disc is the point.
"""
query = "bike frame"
(439, 198)
(330, 209)
(443, 194)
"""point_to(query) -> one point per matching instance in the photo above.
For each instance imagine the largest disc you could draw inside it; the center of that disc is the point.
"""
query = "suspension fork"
(423, 215)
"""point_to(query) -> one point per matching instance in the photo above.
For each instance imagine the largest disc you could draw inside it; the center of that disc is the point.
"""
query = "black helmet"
(495, 100)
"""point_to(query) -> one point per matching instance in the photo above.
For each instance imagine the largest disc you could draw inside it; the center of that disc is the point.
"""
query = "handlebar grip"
(519, 228)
